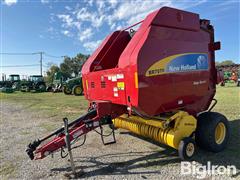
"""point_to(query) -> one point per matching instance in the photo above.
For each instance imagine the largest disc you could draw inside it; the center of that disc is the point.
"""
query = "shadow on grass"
(151, 159)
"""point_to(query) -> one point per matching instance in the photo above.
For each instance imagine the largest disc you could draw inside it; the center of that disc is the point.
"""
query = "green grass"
(228, 101)
(49, 104)
(60, 105)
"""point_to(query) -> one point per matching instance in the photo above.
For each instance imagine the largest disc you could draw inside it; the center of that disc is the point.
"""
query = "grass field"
(58, 105)
(49, 104)
(61, 105)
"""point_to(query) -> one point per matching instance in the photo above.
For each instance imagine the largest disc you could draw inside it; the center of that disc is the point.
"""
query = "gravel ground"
(130, 158)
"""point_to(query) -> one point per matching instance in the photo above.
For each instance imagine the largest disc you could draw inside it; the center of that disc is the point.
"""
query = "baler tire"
(77, 90)
(208, 124)
(186, 148)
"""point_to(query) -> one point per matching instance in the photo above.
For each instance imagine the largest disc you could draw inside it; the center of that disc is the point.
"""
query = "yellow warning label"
(120, 85)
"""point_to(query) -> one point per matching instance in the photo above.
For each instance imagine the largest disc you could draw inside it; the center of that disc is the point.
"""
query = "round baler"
(158, 81)
(165, 77)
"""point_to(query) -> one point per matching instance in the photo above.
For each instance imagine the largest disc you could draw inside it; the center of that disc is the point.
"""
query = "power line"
(25, 65)
(18, 54)
(34, 53)
(53, 56)
(30, 65)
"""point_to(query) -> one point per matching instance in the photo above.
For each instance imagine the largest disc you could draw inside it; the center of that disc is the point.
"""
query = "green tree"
(73, 66)
(66, 67)
(70, 67)
(50, 73)
(77, 63)
(226, 62)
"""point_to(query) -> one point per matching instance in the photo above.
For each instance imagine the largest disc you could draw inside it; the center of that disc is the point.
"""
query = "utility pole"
(41, 59)
(41, 53)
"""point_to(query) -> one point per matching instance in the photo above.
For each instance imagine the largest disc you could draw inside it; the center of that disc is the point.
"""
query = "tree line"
(226, 62)
(70, 67)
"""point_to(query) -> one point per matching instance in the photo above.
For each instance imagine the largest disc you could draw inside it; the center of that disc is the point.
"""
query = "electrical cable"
(19, 53)
(53, 56)
(84, 140)
(25, 65)
(103, 134)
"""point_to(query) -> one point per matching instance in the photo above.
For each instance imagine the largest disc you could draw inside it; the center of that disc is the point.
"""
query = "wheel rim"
(67, 90)
(190, 149)
(220, 133)
(78, 90)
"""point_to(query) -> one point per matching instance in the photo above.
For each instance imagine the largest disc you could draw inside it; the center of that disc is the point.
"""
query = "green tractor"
(57, 83)
(73, 86)
(238, 80)
(11, 84)
(35, 83)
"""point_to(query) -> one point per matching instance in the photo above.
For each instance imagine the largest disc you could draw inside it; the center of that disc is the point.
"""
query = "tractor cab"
(14, 78)
(36, 78)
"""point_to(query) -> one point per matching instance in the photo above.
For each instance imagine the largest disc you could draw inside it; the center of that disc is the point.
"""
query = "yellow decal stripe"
(136, 79)
(159, 66)
(87, 84)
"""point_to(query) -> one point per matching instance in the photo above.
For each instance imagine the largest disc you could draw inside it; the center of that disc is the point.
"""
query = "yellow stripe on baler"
(136, 79)
(86, 84)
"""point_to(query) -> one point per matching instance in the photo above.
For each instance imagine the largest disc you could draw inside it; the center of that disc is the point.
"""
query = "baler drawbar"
(58, 141)
(158, 81)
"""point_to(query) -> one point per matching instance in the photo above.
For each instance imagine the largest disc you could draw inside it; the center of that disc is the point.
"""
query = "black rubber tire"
(41, 88)
(15, 86)
(182, 148)
(66, 90)
(75, 90)
(49, 89)
(205, 132)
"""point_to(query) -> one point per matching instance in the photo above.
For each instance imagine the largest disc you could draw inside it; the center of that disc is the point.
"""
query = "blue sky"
(68, 27)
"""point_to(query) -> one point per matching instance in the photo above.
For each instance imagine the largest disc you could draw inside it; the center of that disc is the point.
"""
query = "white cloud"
(68, 8)
(85, 15)
(66, 33)
(86, 34)
(92, 45)
(89, 2)
(102, 16)
(9, 2)
(45, 1)
(113, 25)
(113, 3)
(68, 21)
(134, 11)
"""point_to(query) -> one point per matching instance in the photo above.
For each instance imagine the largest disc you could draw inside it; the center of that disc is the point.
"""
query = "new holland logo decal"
(179, 63)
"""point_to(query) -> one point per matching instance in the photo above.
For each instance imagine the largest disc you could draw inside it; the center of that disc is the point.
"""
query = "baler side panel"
(107, 85)
(129, 57)
(169, 91)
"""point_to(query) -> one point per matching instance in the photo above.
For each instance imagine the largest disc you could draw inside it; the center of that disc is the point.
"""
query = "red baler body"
(167, 65)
